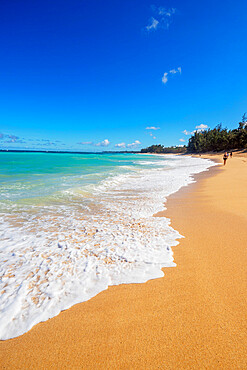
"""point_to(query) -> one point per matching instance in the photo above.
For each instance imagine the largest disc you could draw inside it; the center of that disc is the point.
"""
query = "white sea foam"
(58, 253)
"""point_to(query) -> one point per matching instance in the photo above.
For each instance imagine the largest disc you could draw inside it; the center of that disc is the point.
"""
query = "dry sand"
(193, 318)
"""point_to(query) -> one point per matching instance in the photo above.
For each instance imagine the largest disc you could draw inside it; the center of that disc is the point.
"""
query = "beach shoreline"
(194, 317)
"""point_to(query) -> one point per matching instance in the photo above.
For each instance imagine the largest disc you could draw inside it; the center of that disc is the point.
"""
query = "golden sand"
(193, 318)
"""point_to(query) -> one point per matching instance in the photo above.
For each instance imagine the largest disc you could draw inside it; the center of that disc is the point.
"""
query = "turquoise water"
(27, 175)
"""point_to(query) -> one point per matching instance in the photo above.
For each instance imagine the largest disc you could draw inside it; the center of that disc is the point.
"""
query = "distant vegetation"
(161, 149)
(217, 139)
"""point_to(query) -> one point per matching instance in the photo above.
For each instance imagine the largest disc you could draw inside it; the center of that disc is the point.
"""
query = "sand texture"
(193, 318)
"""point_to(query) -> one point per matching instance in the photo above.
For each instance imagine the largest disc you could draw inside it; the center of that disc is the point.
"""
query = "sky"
(92, 75)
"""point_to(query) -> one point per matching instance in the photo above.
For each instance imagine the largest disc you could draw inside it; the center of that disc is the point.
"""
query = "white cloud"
(154, 137)
(185, 132)
(120, 145)
(134, 144)
(163, 18)
(105, 142)
(182, 140)
(199, 128)
(164, 78)
(153, 25)
(172, 72)
(152, 128)
(202, 127)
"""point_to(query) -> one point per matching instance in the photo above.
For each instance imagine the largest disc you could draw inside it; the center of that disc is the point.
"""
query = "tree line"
(162, 149)
(217, 139)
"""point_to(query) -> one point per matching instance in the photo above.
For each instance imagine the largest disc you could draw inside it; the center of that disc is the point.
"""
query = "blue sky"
(89, 75)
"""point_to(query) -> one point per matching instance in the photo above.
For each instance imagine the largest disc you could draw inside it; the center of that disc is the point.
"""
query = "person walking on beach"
(225, 158)
(231, 154)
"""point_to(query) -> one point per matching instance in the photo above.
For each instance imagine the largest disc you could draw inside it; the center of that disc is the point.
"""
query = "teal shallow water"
(27, 175)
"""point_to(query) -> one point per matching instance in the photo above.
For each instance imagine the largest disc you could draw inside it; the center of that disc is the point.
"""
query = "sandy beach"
(193, 318)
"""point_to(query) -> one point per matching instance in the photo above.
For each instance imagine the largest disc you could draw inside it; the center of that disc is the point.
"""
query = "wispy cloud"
(182, 140)
(86, 143)
(166, 12)
(134, 144)
(45, 142)
(171, 72)
(9, 139)
(120, 145)
(152, 128)
(153, 24)
(35, 143)
(185, 132)
(162, 18)
(13, 139)
(174, 71)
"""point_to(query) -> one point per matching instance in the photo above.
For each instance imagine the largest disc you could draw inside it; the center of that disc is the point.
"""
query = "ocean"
(74, 224)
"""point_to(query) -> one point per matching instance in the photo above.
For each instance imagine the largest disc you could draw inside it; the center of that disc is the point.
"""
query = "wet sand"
(193, 318)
